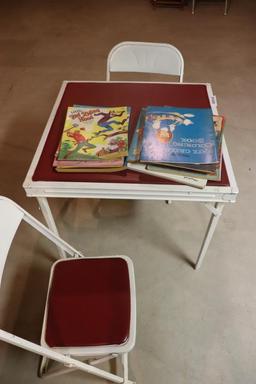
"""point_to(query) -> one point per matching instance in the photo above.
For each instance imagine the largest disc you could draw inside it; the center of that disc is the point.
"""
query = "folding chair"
(158, 58)
(90, 309)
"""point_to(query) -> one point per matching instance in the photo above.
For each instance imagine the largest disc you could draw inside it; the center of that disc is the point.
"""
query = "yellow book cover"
(92, 133)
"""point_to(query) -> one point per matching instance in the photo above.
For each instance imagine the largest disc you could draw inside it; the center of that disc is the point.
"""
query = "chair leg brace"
(103, 359)
(61, 370)
(66, 360)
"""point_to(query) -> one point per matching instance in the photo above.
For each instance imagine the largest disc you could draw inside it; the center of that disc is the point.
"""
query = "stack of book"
(179, 144)
(94, 139)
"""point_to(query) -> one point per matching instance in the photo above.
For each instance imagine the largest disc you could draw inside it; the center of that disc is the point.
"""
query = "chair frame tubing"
(64, 359)
(47, 353)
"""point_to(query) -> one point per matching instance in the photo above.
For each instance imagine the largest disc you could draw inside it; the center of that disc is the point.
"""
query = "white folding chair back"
(11, 216)
(158, 58)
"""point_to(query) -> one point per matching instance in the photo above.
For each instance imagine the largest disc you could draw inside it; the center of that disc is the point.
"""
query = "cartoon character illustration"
(64, 149)
(166, 124)
(118, 144)
(115, 145)
(105, 122)
(81, 141)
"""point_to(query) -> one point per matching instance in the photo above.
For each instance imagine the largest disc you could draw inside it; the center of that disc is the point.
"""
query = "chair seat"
(88, 303)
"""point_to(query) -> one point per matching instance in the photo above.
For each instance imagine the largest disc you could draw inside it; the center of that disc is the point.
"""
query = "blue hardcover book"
(136, 141)
(179, 135)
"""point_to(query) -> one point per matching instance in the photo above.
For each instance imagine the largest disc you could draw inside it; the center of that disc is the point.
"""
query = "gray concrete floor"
(193, 327)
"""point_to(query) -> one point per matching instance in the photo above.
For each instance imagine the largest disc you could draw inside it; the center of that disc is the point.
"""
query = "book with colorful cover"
(113, 165)
(135, 145)
(101, 163)
(178, 178)
(215, 176)
(179, 135)
(90, 170)
(94, 133)
(172, 171)
(219, 122)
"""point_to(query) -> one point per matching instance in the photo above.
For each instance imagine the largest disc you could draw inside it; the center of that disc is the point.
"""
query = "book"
(135, 145)
(184, 172)
(90, 170)
(216, 175)
(179, 135)
(94, 133)
(218, 122)
(195, 175)
(187, 180)
(117, 162)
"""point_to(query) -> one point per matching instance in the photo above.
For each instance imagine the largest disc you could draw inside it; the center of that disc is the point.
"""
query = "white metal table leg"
(47, 213)
(216, 213)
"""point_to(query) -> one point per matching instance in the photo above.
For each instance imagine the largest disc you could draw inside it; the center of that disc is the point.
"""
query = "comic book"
(179, 136)
(95, 166)
(102, 163)
(89, 170)
(94, 133)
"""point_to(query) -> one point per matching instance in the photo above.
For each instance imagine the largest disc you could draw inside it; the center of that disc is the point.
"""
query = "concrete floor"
(193, 327)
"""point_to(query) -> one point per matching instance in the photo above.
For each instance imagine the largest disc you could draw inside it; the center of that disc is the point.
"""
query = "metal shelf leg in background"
(226, 7)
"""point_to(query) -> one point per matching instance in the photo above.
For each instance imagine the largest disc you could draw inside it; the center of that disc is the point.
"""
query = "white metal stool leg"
(216, 213)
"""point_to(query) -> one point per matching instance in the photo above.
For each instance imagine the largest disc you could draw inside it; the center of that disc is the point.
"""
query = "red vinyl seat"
(88, 303)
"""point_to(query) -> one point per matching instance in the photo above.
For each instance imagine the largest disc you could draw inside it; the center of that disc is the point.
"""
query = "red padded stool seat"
(88, 303)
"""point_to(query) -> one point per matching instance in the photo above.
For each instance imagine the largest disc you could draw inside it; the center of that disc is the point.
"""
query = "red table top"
(135, 95)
